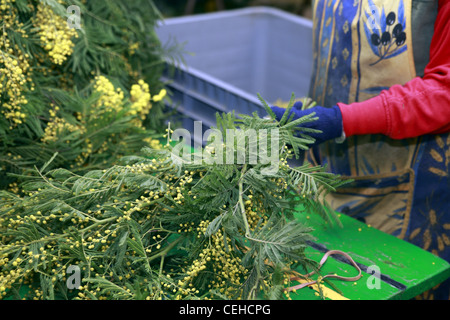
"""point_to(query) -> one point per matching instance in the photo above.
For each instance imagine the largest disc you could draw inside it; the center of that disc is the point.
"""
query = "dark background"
(172, 8)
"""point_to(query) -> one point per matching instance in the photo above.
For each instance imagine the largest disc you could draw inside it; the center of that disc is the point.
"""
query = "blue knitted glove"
(329, 122)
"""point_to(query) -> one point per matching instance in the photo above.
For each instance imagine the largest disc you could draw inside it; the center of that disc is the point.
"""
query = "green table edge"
(413, 269)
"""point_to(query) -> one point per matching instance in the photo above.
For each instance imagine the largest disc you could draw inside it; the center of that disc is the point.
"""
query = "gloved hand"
(329, 122)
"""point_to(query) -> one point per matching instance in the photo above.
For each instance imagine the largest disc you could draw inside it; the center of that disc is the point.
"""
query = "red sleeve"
(421, 106)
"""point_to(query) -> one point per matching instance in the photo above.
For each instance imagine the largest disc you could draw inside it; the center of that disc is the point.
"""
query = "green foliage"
(154, 227)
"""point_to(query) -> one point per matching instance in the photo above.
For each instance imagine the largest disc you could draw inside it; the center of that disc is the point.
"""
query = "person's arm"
(421, 106)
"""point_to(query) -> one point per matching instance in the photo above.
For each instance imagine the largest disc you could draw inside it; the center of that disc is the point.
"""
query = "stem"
(168, 134)
(61, 236)
(162, 253)
(161, 266)
(254, 289)
(82, 213)
(46, 180)
(242, 206)
(95, 225)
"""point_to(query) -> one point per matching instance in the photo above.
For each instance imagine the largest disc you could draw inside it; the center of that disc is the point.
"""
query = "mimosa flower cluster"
(111, 99)
(57, 126)
(14, 66)
(54, 34)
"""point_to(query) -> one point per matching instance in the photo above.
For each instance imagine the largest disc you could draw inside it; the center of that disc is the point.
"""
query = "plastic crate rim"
(220, 83)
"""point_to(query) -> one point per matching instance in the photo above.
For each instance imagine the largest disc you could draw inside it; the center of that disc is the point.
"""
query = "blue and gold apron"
(401, 187)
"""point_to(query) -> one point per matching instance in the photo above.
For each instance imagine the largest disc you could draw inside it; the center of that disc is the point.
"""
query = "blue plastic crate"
(235, 55)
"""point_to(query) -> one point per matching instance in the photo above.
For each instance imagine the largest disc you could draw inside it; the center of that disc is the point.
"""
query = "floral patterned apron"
(401, 187)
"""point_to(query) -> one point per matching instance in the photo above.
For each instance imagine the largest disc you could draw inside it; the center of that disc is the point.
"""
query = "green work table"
(405, 270)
